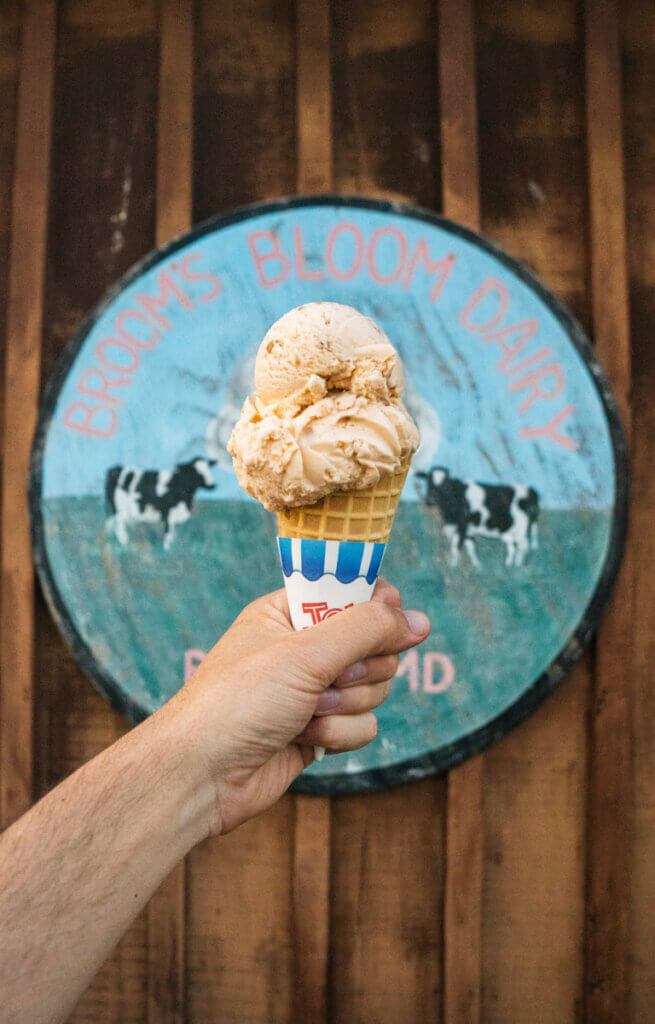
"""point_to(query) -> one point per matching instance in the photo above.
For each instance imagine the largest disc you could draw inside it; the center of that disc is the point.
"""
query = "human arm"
(76, 870)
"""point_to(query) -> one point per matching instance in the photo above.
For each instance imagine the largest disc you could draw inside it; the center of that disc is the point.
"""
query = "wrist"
(184, 774)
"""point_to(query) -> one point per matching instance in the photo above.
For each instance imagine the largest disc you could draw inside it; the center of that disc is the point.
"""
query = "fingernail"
(327, 701)
(352, 673)
(418, 622)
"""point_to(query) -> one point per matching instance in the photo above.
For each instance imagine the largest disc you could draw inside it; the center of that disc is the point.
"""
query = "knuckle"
(385, 591)
(330, 733)
(392, 595)
(390, 667)
(383, 618)
(385, 690)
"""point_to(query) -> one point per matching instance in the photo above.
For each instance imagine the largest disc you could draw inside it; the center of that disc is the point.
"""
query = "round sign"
(510, 528)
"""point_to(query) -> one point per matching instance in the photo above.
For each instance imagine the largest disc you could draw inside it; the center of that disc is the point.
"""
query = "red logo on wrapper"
(318, 610)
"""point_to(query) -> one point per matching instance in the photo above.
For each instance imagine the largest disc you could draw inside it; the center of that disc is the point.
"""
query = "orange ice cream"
(327, 414)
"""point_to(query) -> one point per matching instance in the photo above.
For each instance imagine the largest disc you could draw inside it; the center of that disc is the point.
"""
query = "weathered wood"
(387, 862)
(101, 221)
(385, 105)
(239, 946)
(166, 910)
(175, 119)
(312, 828)
(610, 764)
(10, 26)
(532, 159)
(460, 179)
(387, 849)
(311, 907)
(313, 96)
(244, 97)
(532, 901)
(464, 838)
(239, 939)
(22, 368)
(385, 948)
(639, 119)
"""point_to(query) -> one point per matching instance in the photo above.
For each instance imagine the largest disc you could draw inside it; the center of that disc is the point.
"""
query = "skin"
(80, 865)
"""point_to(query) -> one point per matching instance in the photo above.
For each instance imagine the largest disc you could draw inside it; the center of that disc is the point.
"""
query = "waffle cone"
(365, 515)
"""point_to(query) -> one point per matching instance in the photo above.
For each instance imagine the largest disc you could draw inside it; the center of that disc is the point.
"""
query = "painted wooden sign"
(512, 521)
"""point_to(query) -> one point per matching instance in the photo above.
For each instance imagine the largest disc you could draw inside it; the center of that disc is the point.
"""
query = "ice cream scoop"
(327, 414)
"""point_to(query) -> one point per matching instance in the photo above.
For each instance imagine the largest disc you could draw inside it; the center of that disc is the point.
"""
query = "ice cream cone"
(365, 515)
(331, 551)
(327, 415)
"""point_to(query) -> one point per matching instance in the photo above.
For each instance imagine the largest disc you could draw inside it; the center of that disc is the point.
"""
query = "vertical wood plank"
(311, 907)
(101, 221)
(610, 764)
(239, 940)
(385, 946)
(531, 129)
(166, 910)
(10, 25)
(312, 826)
(175, 119)
(384, 138)
(22, 370)
(460, 180)
(387, 848)
(464, 834)
(639, 120)
(313, 96)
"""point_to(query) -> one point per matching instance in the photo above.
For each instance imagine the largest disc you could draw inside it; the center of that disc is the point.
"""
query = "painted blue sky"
(201, 367)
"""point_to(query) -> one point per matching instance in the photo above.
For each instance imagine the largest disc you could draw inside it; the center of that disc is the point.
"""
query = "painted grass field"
(141, 609)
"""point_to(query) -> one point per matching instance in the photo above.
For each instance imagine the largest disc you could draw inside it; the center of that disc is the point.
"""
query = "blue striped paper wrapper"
(322, 577)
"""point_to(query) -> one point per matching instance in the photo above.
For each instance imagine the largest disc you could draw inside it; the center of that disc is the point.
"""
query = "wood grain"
(385, 104)
(175, 119)
(239, 941)
(10, 26)
(101, 221)
(610, 762)
(387, 848)
(311, 907)
(22, 369)
(166, 910)
(460, 179)
(464, 834)
(385, 950)
(313, 96)
(639, 120)
(258, 903)
(312, 827)
(10, 31)
(533, 188)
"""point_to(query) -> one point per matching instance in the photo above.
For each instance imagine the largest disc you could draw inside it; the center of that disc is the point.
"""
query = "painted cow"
(154, 495)
(469, 509)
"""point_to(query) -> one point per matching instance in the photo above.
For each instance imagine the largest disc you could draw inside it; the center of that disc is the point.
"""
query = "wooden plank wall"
(366, 908)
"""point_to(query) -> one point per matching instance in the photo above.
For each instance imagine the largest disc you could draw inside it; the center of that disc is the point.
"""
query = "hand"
(265, 695)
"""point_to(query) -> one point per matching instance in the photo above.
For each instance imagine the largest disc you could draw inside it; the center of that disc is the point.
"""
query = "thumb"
(375, 627)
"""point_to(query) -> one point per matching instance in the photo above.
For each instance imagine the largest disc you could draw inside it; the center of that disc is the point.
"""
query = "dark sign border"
(447, 757)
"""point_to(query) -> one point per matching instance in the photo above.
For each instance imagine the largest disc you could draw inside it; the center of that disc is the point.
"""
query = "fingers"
(339, 733)
(355, 634)
(373, 670)
(386, 592)
(353, 701)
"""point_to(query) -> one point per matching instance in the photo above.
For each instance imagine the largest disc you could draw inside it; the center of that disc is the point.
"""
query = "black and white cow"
(469, 509)
(154, 495)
